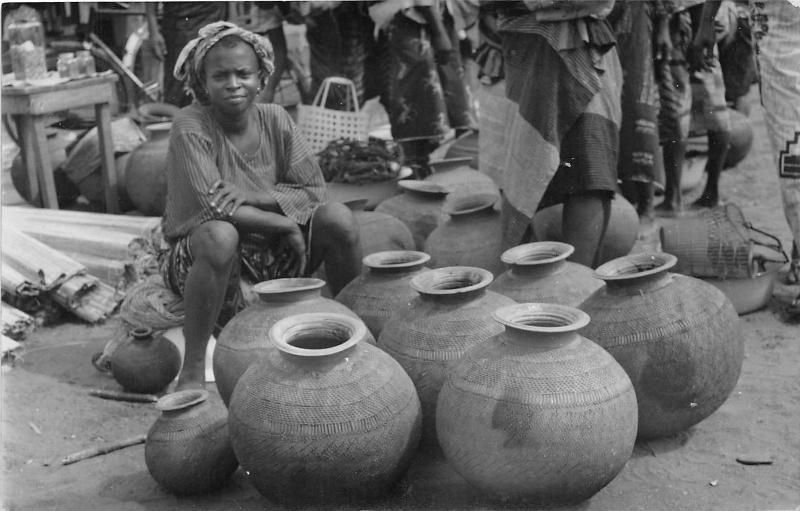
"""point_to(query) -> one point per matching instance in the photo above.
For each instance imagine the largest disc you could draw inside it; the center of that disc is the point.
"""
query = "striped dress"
(200, 154)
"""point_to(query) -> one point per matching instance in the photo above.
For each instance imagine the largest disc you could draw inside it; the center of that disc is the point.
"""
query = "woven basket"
(719, 243)
(321, 125)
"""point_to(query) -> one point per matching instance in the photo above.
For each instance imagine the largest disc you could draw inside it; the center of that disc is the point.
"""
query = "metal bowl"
(747, 294)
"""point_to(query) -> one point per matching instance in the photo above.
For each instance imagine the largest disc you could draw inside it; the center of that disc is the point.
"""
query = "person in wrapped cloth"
(246, 197)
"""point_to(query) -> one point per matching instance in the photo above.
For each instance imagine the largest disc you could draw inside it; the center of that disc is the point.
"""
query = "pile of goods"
(353, 161)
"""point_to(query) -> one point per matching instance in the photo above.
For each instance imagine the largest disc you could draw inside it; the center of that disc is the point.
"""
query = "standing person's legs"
(776, 26)
(673, 118)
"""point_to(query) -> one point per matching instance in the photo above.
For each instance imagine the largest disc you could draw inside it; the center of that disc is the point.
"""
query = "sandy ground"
(47, 414)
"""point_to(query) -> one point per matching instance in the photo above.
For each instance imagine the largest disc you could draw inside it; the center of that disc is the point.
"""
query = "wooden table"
(30, 105)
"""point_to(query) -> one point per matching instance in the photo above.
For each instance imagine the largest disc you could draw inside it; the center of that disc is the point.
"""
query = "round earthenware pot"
(678, 338)
(540, 272)
(427, 335)
(146, 177)
(188, 450)
(472, 235)
(383, 287)
(537, 413)
(145, 362)
(324, 417)
(456, 176)
(419, 207)
(245, 337)
(381, 231)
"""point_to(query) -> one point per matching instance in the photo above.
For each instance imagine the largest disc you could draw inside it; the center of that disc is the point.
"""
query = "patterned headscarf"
(190, 61)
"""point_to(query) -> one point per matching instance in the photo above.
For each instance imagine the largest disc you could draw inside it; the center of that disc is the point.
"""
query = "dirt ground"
(47, 414)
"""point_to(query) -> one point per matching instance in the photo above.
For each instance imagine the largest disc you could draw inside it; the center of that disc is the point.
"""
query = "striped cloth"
(563, 80)
(200, 154)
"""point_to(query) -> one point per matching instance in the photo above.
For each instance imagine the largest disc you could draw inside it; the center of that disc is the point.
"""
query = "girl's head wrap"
(189, 66)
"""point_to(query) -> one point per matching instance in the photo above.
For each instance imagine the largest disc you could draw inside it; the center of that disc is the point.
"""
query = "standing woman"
(246, 198)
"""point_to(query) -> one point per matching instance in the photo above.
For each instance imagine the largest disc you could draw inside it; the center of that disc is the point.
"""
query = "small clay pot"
(145, 363)
(188, 449)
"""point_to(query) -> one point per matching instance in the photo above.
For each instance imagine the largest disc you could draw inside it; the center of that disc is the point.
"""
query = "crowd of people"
(593, 95)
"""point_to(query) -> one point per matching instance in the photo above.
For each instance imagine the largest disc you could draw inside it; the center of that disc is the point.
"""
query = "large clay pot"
(741, 138)
(540, 272)
(538, 413)
(188, 449)
(66, 191)
(465, 147)
(472, 235)
(678, 338)
(428, 335)
(145, 362)
(381, 231)
(459, 179)
(146, 177)
(325, 417)
(386, 285)
(623, 227)
(419, 207)
(244, 339)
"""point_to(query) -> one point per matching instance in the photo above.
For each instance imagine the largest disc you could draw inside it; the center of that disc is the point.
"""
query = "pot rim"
(282, 332)
(635, 266)
(181, 399)
(530, 254)
(425, 282)
(472, 203)
(422, 186)
(404, 258)
(287, 285)
(519, 317)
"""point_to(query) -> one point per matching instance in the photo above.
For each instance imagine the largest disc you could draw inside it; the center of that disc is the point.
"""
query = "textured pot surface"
(188, 449)
(471, 236)
(245, 337)
(384, 287)
(677, 337)
(419, 207)
(325, 417)
(462, 180)
(145, 362)
(427, 336)
(538, 413)
(381, 231)
(539, 272)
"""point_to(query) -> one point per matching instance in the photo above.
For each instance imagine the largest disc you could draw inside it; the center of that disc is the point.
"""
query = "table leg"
(110, 180)
(26, 138)
(47, 183)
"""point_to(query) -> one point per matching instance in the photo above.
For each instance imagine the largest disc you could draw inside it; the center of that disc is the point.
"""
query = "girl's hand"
(227, 197)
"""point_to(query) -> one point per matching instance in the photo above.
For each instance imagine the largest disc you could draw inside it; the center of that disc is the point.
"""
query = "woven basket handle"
(321, 99)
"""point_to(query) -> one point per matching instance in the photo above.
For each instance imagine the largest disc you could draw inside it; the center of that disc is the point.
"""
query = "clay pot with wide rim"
(386, 285)
(245, 338)
(456, 176)
(324, 417)
(419, 207)
(472, 236)
(145, 362)
(452, 313)
(188, 449)
(538, 413)
(678, 338)
(540, 272)
(381, 231)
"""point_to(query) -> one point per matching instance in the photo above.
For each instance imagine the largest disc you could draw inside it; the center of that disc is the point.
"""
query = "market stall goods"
(325, 417)
(428, 335)
(538, 413)
(678, 338)
(188, 449)
(540, 272)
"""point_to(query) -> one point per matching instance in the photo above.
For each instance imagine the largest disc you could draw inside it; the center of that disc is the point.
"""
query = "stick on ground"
(103, 449)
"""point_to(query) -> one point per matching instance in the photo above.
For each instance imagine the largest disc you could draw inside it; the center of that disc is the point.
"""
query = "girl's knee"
(337, 222)
(215, 242)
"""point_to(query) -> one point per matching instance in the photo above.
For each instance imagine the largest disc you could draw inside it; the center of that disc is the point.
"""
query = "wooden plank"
(110, 179)
(48, 102)
(47, 183)
(138, 226)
